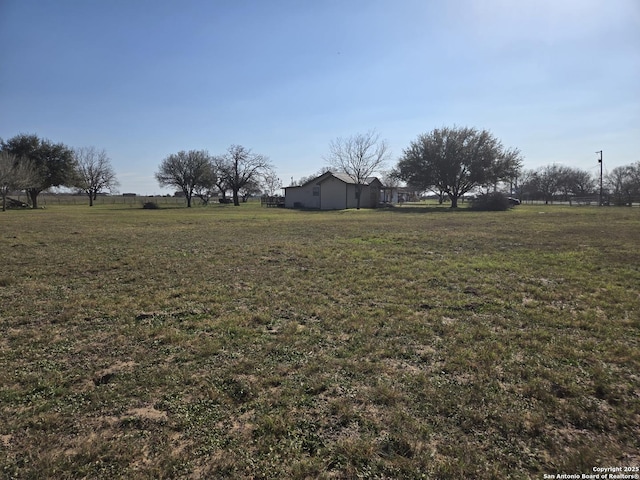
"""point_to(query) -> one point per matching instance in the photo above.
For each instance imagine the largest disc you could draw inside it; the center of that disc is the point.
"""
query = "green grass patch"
(265, 343)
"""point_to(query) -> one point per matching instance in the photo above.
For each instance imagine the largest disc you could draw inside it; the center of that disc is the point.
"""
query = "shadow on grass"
(403, 209)
(424, 209)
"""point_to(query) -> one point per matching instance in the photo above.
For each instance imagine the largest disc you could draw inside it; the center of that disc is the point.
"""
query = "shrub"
(490, 202)
(150, 205)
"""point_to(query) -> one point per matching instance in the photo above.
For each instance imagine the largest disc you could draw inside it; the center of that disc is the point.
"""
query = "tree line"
(620, 186)
(454, 161)
(449, 161)
(34, 165)
(197, 174)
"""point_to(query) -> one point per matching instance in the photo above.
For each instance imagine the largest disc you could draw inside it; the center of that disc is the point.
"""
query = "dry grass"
(256, 343)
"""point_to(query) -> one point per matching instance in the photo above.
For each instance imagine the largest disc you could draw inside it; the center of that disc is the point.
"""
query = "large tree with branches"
(51, 164)
(457, 160)
(240, 168)
(14, 175)
(359, 156)
(185, 170)
(94, 172)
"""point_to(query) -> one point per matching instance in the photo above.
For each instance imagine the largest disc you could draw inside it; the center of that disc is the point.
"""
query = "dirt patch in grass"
(148, 413)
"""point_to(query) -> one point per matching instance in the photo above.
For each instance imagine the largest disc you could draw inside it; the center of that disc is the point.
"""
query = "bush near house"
(491, 202)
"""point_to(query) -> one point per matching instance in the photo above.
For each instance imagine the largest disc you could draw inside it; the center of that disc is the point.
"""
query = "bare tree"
(390, 178)
(94, 172)
(271, 183)
(359, 156)
(221, 180)
(252, 187)
(14, 175)
(239, 168)
(553, 181)
(582, 182)
(624, 184)
(206, 187)
(528, 188)
(506, 168)
(184, 170)
(547, 181)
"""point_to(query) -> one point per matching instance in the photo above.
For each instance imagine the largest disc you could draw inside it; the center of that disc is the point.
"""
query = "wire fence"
(51, 199)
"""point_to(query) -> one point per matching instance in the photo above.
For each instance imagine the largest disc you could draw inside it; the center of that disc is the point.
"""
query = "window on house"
(316, 191)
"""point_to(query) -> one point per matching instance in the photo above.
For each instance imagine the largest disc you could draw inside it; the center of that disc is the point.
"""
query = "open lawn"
(226, 342)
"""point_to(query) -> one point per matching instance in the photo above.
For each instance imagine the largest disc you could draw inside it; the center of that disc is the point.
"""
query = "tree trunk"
(358, 195)
(454, 201)
(236, 201)
(90, 198)
(33, 196)
(4, 202)
(188, 201)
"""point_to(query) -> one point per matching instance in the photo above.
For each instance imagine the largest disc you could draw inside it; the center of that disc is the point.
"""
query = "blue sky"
(558, 79)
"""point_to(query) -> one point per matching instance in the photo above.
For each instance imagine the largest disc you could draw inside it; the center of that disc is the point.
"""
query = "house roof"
(347, 179)
(343, 177)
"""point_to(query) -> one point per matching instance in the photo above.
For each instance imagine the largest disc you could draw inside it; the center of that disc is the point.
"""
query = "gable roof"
(347, 179)
(343, 177)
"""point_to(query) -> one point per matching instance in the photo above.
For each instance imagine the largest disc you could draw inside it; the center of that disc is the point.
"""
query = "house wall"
(295, 197)
(301, 197)
(291, 196)
(352, 201)
(333, 194)
(389, 196)
(373, 194)
(369, 196)
(374, 197)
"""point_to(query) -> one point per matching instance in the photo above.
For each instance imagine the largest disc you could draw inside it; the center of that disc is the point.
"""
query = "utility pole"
(600, 162)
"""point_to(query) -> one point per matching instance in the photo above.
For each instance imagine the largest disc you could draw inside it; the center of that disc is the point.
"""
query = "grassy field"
(228, 342)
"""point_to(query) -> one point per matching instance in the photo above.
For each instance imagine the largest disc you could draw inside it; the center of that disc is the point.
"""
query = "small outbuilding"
(333, 191)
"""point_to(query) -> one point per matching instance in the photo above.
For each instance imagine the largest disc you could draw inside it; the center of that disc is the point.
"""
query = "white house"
(333, 191)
